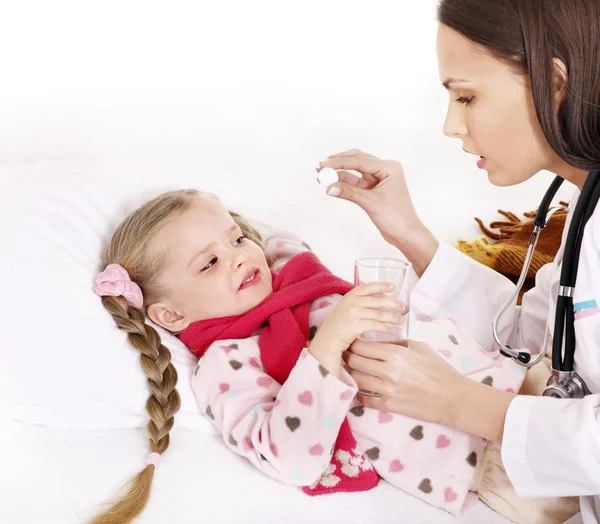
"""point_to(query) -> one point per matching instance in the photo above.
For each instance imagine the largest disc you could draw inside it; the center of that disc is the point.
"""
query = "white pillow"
(64, 362)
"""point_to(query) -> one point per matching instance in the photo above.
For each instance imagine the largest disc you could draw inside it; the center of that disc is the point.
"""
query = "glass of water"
(397, 272)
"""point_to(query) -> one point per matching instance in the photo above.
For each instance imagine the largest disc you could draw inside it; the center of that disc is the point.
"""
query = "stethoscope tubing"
(564, 329)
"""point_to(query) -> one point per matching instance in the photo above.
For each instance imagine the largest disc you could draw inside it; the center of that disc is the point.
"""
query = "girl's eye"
(210, 264)
(465, 100)
(239, 241)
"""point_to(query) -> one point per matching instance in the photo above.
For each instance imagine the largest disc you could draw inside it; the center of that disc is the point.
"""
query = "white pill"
(327, 176)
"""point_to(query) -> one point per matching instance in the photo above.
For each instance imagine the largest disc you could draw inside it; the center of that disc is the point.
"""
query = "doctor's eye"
(465, 100)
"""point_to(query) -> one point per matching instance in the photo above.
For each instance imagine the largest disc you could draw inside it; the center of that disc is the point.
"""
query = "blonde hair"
(132, 247)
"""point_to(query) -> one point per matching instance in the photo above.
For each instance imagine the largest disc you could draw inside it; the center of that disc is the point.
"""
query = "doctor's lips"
(251, 278)
(480, 162)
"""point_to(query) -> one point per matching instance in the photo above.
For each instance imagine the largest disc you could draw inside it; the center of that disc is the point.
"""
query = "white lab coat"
(551, 447)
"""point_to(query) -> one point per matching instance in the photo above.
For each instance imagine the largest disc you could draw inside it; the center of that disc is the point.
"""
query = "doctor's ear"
(560, 81)
(162, 314)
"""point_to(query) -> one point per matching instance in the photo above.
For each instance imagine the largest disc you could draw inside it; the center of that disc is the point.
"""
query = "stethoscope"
(564, 382)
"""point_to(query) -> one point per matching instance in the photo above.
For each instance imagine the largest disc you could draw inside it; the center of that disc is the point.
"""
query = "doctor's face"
(491, 110)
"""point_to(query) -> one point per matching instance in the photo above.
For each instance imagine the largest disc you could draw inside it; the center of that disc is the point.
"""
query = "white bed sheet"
(56, 476)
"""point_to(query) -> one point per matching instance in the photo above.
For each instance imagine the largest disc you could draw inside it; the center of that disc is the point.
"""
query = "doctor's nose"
(455, 126)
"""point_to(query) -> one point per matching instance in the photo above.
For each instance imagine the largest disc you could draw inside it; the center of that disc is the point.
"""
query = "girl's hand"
(364, 309)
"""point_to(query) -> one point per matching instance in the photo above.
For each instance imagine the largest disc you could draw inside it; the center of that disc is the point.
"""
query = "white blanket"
(56, 476)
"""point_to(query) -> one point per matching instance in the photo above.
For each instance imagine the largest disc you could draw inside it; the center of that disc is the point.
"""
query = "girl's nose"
(239, 258)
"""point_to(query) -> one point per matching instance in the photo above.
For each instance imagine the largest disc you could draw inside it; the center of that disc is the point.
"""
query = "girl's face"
(210, 269)
(491, 110)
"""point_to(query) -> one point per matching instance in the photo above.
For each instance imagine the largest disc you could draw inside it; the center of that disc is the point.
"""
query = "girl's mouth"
(251, 278)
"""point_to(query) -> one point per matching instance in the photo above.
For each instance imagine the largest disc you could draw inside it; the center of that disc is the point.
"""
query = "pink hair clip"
(114, 281)
(154, 459)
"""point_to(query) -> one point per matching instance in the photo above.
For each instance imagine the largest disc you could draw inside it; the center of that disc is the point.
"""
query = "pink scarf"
(284, 316)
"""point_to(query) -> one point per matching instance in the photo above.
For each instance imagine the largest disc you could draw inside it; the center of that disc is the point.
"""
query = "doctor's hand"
(413, 381)
(382, 192)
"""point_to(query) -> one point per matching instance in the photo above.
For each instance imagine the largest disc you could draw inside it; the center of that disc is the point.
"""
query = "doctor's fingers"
(377, 350)
(369, 366)
(364, 182)
(392, 370)
(369, 180)
(352, 152)
(364, 165)
(368, 382)
(350, 178)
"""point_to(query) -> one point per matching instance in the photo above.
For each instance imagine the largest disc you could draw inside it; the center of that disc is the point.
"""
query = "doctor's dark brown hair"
(132, 246)
(528, 34)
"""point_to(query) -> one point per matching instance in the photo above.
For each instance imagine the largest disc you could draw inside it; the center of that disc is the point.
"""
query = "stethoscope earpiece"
(521, 356)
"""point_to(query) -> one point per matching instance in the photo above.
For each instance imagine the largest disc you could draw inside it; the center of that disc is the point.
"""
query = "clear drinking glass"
(398, 272)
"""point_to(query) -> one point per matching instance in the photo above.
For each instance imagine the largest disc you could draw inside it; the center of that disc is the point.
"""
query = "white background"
(263, 89)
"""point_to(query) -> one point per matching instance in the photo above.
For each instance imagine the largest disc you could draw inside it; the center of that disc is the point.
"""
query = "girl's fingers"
(373, 288)
(384, 302)
(374, 325)
(382, 315)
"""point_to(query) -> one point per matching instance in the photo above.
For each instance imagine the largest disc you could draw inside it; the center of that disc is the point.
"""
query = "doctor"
(524, 83)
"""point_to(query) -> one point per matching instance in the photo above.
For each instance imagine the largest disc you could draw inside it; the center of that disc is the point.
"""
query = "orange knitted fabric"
(508, 251)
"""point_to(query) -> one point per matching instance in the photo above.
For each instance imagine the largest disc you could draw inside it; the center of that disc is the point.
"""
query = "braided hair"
(132, 247)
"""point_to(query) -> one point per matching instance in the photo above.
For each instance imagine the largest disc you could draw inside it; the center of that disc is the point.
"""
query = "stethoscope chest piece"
(565, 384)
